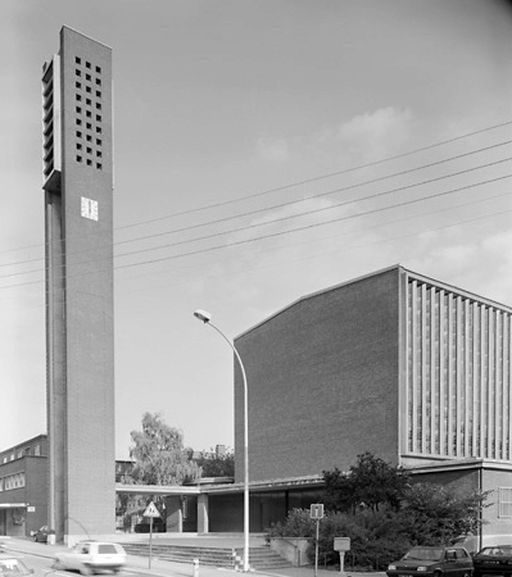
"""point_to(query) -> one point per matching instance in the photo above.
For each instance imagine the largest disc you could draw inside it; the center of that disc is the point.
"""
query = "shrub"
(298, 523)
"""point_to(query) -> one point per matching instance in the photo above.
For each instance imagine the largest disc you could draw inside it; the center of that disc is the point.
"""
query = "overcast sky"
(224, 109)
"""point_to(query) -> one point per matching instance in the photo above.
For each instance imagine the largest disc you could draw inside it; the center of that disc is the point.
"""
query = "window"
(98, 129)
(98, 153)
(78, 97)
(78, 110)
(88, 101)
(99, 166)
(79, 159)
(98, 70)
(88, 125)
(89, 150)
(78, 85)
(89, 162)
(78, 121)
(88, 138)
(78, 72)
(505, 502)
(87, 64)
(14, 481)
(88, 77)
(88, 113)
(98, 81)
(98, 117)
(98, 141)
(98, 105)
(78, 60)
(98, 94)
(78, 146)
(87, 88)
(78, 134)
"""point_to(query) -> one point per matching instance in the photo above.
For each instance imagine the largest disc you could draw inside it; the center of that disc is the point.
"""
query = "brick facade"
(322, 379)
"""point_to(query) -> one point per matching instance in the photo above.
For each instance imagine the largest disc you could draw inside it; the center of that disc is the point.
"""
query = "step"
(259, 557)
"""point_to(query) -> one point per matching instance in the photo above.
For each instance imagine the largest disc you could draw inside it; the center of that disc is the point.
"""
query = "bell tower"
(77, 183)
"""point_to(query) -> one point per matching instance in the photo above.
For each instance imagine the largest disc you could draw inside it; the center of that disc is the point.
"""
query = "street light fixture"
(206, 317)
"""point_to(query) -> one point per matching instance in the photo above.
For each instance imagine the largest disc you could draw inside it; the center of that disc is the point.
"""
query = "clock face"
(89, 208)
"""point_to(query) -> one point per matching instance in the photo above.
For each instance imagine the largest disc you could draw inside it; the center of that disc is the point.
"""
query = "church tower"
(77, 180)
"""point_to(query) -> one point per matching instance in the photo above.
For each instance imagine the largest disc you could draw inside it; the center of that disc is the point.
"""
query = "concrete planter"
(291, 548)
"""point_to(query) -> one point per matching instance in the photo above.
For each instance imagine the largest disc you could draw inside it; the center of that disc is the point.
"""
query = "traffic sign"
(316, 511)
(151, 511)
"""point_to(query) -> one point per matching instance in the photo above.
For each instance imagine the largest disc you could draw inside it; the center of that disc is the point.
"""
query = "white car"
(91, 556)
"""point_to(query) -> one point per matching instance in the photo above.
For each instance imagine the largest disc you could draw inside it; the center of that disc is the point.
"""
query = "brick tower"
(77, 180)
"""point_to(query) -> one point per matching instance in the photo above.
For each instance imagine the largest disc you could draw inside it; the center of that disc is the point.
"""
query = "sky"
(263, 150)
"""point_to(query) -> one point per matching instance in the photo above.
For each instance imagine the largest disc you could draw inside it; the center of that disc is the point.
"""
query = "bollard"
(196, 568)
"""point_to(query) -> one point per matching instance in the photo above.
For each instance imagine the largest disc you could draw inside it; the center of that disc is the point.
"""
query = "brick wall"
(323, 381)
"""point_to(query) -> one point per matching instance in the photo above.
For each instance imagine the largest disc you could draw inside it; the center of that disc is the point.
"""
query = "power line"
(364, 245)
(289, 185)
(315, 225)
(313, 196)
(388, 223)
(316, 210)
(297, 229)
(289, 217)
(305, 227)
(321, 177)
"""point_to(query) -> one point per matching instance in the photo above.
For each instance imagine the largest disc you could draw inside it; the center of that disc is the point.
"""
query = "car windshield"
(425, 553)
(501, 551)
(10, 567)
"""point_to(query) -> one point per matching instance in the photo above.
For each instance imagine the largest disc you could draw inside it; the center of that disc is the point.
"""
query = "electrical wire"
(298, 229)
(282, 205)
(288, 186)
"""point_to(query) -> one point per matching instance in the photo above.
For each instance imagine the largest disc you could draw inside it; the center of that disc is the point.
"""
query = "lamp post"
(206, 317)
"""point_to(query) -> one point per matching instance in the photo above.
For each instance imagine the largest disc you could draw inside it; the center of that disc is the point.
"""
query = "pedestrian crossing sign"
(151, 511)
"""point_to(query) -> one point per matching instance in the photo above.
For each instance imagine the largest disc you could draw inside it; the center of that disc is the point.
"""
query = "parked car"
(496, 560)
(41, 535)
(90, 556)
(13, 567)
(434, 561)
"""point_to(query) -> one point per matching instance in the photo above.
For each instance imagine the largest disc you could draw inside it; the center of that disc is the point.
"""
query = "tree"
(371, 482)
(434, 514)
(159, 455)
(214, 465)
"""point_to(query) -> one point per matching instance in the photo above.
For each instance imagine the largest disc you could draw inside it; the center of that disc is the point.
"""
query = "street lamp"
(206, 317)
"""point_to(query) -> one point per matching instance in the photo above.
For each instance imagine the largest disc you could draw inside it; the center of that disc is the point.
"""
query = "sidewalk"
(161, 568)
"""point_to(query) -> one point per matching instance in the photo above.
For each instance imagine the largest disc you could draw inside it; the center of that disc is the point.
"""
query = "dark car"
(433, 561)
(496, 560)
(41, 535)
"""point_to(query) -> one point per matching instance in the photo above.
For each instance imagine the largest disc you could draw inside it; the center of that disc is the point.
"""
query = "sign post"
(316, 511)
(151, 512)
(342, 544)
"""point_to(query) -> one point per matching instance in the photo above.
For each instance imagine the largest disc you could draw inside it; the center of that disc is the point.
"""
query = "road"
(40, 556)
(42, 567)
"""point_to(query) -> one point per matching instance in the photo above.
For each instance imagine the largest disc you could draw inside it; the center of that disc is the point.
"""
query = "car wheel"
(467, 574)
(85, 570)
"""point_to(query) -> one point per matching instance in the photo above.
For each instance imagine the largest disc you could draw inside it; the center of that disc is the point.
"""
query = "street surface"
(39, 556)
